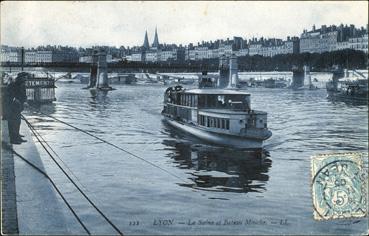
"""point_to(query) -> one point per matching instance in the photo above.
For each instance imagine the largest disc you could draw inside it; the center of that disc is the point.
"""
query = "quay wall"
(9, 218)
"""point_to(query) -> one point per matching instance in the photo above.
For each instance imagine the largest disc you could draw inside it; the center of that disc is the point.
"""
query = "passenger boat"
(215, 111)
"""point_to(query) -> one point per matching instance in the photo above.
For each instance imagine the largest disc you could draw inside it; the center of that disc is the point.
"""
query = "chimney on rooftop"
(324, 29)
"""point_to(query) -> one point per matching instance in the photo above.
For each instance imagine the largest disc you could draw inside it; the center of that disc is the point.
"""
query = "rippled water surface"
(193, 185)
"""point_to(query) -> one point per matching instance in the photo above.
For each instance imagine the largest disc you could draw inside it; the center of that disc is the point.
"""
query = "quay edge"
(9, 217)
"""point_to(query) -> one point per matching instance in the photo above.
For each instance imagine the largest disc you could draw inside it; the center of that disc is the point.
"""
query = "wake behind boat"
(216, 112)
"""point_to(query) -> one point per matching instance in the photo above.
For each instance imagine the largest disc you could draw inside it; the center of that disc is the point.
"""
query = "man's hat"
(21, 77)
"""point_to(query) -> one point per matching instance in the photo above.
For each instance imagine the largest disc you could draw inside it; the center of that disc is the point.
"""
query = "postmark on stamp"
(339, 186)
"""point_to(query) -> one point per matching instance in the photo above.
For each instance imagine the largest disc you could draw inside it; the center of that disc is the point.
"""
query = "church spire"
(146, 41)
(155, 44)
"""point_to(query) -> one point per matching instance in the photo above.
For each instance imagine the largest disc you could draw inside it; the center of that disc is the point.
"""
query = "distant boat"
(83, 79)
(352, 88)
(122, 79)
(67, 78)
(275, 83)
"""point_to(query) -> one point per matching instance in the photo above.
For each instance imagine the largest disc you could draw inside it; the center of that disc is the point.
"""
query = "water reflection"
(100, 101)
(221, 169)
(46, 108)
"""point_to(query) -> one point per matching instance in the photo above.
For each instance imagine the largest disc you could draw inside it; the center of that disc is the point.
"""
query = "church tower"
(155, 44)
(146, 44)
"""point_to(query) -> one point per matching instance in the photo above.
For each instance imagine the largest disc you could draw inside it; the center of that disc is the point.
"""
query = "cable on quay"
(36, 134)
(54, 185)
(113, 145)
(56, 154)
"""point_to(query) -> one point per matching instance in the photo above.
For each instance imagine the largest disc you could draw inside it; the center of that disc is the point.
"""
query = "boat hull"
(216, 138)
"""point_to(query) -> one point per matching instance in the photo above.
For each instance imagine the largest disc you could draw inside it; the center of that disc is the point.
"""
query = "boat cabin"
(219, 109)
(40, 89)
(208, 99)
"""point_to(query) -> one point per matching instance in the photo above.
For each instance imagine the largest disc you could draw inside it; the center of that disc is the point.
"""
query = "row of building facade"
(324, 39)
(333, 38)
(13, 54)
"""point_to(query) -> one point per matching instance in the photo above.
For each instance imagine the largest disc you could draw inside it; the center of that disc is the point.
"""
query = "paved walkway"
(39, 208)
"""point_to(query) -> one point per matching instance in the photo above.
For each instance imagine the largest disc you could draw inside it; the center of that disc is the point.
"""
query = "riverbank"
(30, 203)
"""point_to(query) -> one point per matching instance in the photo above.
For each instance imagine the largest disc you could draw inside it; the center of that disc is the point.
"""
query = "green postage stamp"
(339, 186)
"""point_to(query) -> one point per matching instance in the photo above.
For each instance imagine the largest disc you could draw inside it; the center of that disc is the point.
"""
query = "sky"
(85, 24)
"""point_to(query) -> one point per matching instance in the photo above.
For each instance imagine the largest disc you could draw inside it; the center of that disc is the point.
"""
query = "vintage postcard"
(184, 117)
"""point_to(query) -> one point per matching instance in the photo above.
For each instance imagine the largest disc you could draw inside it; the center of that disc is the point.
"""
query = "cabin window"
(211, 123)
(201, 101)
(218, 123)
(212, 101)
(195, 100)
(177, 101)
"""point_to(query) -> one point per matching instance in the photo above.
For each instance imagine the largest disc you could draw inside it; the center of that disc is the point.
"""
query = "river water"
(196, 188)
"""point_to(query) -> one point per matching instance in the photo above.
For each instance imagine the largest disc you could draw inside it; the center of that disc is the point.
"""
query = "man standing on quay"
(16, 97)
